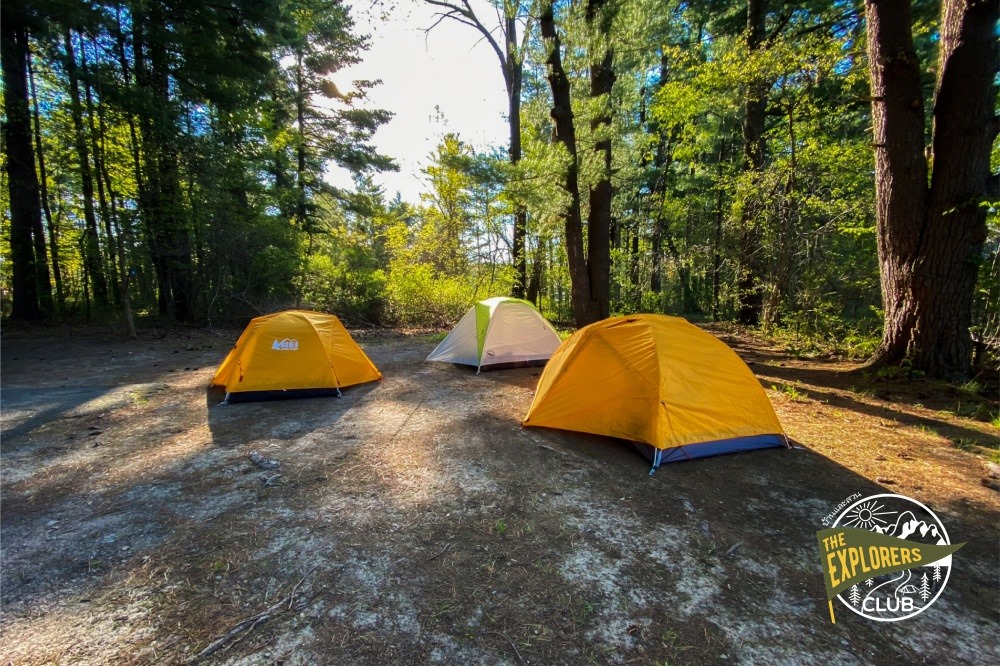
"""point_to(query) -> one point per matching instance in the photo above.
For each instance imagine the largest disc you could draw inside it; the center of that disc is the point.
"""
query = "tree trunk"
(91, 243)
(96, 145)
(168, 233)
(22, 181)
(146, 217)
(535, 283)
(116, 241)
(150, 196)
(602, 80)
(565, 134)
(42, 277)
(658, 187)
(60, 303)
(930, 239)
(755, 107)
(514, 76)
(781, 265)
(717, 236)
(300, 146)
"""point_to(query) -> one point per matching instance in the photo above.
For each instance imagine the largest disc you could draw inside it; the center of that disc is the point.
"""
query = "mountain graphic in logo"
(288, 344)
(907, 525)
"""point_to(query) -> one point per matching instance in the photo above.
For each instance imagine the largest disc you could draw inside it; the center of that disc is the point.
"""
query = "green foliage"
(418, 296)
(223, 170)
(790, 392)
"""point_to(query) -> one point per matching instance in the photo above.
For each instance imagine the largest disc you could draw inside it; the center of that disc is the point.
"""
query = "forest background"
(826, 171)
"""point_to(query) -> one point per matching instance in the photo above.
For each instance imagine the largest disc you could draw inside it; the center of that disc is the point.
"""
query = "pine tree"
(937, 574)
(855, 595)
(925, 588)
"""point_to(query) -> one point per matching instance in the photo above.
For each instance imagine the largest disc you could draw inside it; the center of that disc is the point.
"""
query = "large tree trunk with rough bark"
(602, 80)
(22, 181)
(565, 133)
(590, 271)
(930, 238)
(754, 116)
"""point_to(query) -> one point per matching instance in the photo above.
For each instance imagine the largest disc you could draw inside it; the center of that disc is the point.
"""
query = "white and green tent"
(498, 331)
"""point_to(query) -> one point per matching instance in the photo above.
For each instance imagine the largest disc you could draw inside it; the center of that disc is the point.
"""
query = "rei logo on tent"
(287, 344)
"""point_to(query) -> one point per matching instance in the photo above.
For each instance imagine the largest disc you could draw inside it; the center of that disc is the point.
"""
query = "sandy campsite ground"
(415, 521)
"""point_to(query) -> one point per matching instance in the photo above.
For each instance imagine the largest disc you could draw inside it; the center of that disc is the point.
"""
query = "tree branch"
(466, 15)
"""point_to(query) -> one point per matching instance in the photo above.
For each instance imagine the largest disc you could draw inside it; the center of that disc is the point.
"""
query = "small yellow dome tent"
(659, 381)
(295, 353)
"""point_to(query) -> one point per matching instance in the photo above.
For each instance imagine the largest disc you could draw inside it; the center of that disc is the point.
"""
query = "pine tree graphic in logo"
(855, 595)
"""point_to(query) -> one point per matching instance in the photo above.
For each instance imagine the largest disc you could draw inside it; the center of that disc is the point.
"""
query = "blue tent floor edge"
(706, 449)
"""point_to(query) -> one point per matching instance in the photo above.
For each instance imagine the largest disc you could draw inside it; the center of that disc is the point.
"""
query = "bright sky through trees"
(443, 81)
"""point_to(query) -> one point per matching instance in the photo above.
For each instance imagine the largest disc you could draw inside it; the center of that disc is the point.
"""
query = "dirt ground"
(415, 521)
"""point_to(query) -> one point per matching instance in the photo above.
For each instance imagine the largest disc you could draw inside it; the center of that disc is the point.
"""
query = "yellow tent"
(294, 353)
(657, 380)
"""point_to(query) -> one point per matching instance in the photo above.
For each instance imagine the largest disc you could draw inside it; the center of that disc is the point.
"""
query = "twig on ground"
(440, 553)
(251, 623)
(270, 481)
(504, 635)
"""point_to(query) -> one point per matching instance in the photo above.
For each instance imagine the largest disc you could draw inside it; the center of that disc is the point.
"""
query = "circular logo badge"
(901, 594)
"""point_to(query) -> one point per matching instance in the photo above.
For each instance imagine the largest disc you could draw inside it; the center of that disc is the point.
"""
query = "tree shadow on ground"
(232, 424)
(938, 426)
(36, 406)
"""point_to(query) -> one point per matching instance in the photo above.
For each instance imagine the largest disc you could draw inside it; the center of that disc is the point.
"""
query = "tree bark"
(22, 181)
(565, 134)
(53, 230)
(168, 234)
(717, 235)
(535, 283)
(114, 227)
(146, 222)
(91, 243)
(602, 80)
(514, 76)
(930, 239)
(96, 145)
(755, 107)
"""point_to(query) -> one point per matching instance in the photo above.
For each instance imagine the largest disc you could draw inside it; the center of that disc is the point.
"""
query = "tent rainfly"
(293, 354)
(498, 331)
(668, 386)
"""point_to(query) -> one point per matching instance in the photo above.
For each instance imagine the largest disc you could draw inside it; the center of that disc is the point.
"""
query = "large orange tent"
(295, 353)
(659, 381)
